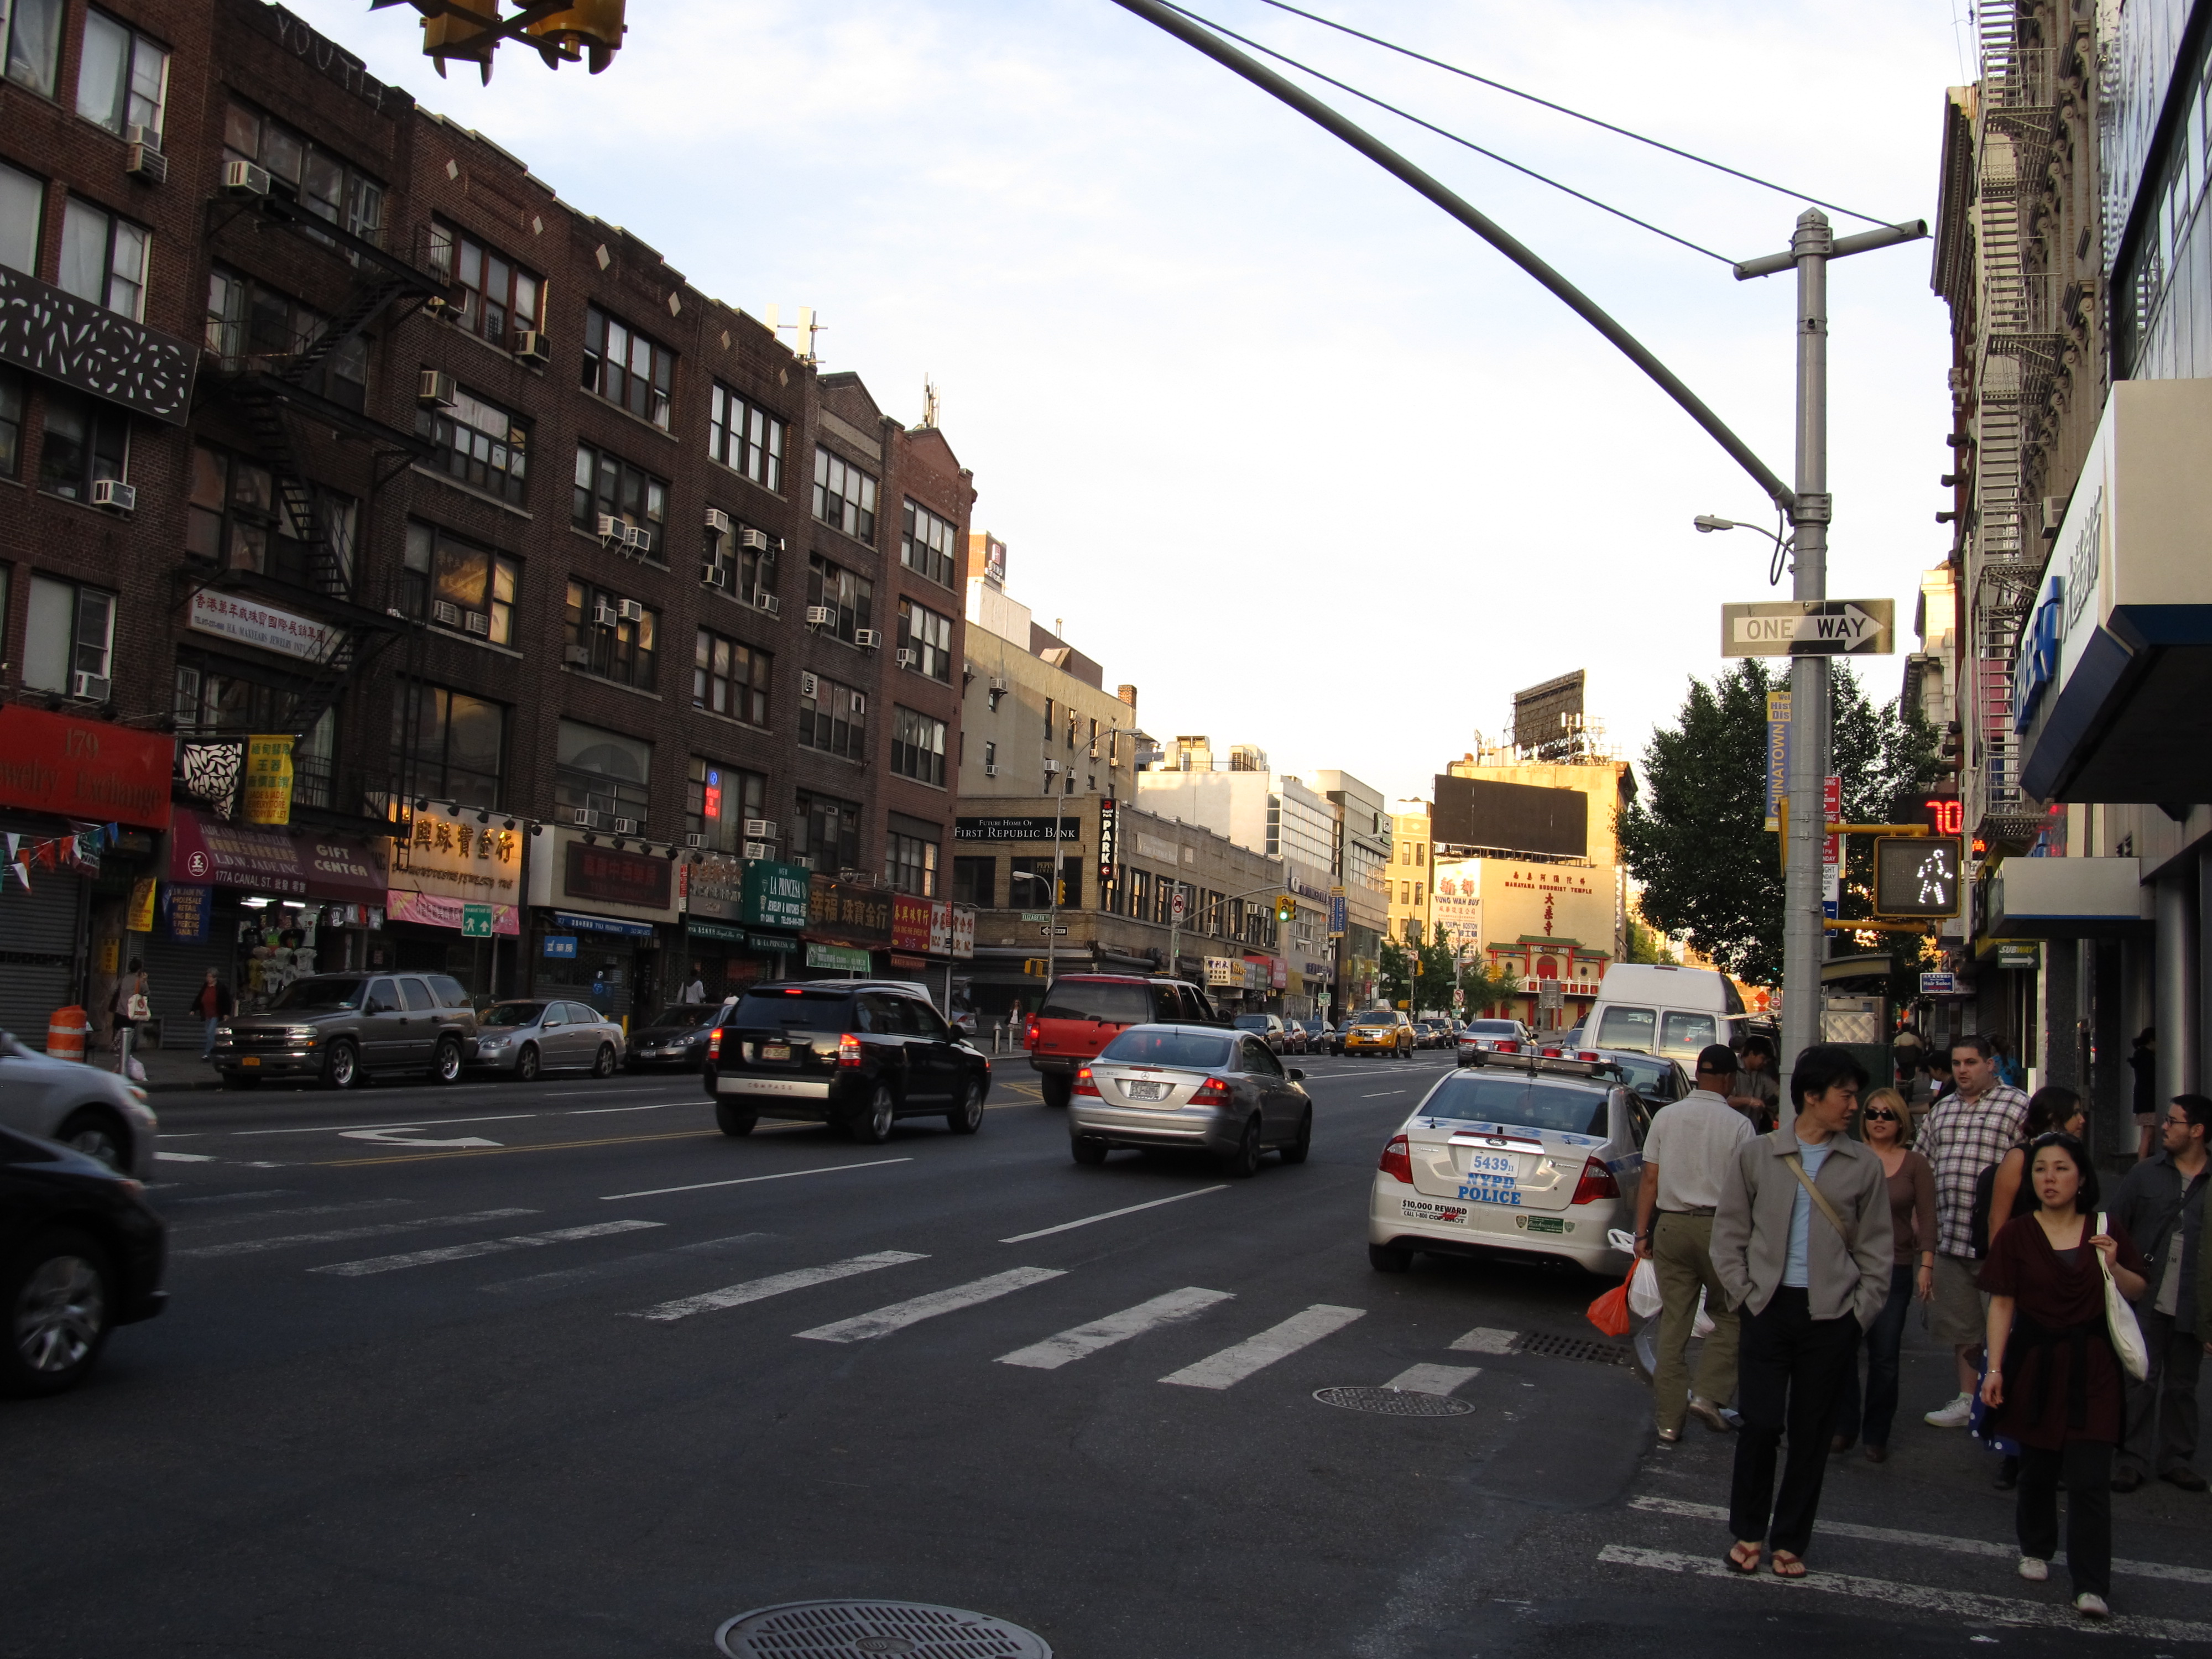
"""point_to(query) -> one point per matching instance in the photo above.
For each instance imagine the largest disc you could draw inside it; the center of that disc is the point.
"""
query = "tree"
(1648, 944)
(1395, 970)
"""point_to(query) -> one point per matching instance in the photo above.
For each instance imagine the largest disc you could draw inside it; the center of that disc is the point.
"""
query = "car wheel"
(734, 1119)
(446, 1064)
(872, 1126)
(1297, 1151)
(967, 1117)
(1244, 1162)
(342, 1065)
(1057, 1088)
(97, 1135)
(55, 1295)
(526, 1064)
(1087, 1150)
(603, 1063)
(1389, 1258)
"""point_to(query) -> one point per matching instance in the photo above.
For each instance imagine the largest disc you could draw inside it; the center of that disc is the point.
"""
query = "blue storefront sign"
(185, 911)
(561, 944)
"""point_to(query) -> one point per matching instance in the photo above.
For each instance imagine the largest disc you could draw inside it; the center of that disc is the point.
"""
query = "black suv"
(80, 1252)
(856, 1053)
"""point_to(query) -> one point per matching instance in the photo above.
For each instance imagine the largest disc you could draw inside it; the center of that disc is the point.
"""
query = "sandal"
(1735, 1561)
(1787, 1565)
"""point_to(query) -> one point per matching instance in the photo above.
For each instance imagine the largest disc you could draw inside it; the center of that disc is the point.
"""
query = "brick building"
(321, 416)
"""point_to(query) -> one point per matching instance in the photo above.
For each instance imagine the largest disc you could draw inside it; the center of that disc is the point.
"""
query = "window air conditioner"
(603, 615)
(113, 492)
(477, 622)
(761, 829)
(624, 826)
(808, 685)
(820, 616)
(244, 178)
(610, 528)
(715, 572)
(1051, 766)
(803, 860)
(136, 134)
(530, 346)
(718, 522)
(444, 613)
(759, 849)
(752, 540)
(93, 687)
(997, 682)
(630, 610)
(584, 818)
(764, 600)
(639, 537)
(144, 160)
(576, 656)
(867, 638)
(694, 841)
(990, 768)
(908, 658)
(433, 389)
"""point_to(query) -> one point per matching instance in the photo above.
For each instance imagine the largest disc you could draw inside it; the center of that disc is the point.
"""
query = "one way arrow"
(399, 1135)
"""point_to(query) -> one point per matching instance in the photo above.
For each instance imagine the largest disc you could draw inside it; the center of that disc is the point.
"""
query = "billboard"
(1549, 717)
(1456, 904)
(1511, 817)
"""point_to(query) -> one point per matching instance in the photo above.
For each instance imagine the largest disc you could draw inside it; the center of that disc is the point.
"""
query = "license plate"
(1146, 1090)
(1541, 1224)
(251, 1060)
(776, 1051)
(1493, 1164)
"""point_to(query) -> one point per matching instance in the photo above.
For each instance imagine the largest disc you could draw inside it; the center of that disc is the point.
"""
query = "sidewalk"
(167, 1070)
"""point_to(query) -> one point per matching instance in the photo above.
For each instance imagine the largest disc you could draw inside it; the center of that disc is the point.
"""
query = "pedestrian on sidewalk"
(2051, 1109)
(1807, 1285)
(2143, 1063)
(1966, 1131)
(695, 988)
(2054, 1384)
(130, 1008)
(2008, 1072)
(1687, 1152)
(2160, 1202)
(1756, 1093)
(1885, 1125)
(213, 1004)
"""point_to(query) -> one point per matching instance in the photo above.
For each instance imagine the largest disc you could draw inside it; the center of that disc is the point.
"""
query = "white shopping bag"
(1643, 1299)
(1702, 1326)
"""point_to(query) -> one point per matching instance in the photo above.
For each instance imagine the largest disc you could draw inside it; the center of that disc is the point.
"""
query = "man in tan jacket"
(1801, 1245)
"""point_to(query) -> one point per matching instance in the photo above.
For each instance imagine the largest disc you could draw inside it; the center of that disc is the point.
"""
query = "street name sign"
(1809, 628)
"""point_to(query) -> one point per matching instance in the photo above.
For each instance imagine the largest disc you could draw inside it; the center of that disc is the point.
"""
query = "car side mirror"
(1297, 1076)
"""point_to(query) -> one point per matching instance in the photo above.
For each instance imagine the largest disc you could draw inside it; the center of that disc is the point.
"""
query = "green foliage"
(1647, 943)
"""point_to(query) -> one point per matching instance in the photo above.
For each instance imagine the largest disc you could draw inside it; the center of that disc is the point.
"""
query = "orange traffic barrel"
(66, 1032)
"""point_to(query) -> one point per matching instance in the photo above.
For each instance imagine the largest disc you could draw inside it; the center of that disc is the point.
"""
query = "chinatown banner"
(268, 782)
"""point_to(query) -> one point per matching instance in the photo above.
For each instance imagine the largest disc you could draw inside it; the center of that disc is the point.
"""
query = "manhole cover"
(842, 1630)
(1393, 1402)
(1572, 1347)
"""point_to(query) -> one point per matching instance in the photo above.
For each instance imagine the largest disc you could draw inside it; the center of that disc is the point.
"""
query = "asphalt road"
(560, 1370)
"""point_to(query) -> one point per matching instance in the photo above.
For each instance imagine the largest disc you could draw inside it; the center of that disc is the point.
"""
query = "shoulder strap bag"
(1821, 1200)
(2120, 1319)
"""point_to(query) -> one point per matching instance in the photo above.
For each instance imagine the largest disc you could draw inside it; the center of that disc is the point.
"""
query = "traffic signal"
(1916, 876)
(593, 28)
(1286, 911)
(470, 30)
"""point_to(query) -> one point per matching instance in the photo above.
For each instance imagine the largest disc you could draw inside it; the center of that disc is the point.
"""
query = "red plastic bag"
(1609, 1313)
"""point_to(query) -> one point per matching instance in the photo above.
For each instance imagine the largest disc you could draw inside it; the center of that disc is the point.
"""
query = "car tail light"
(1030, 1033)
(1597, 1182)
(714, 1044)
(1397, 1161)
(1505, 1049)
(1588, 1054)
(1085, 1085)
(1211, 1092)
(849, 1050)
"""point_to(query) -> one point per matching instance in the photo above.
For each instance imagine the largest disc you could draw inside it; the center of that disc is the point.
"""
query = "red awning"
(80, 769)
(209, 853)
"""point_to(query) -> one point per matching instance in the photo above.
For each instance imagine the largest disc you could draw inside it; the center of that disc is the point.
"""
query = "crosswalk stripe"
(387, 1264)
(759, 1290)
(864, 1327)
(1171, 1308)
(1922, 1598)
(1233, 1365)
(346, 1234)
(1483, 1339)
(1919, 1539)
(1433, 1379)
(251, 1218)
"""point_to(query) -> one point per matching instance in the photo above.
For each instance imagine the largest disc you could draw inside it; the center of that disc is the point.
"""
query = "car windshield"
(792, 1010)
(683, 1014)
(1645, 1075)
(513, 1014)
(320, 994)
(1522, 1102)
(1152, 1046)
(1111, 1001)
(1375, 1019)
(1504, 1028)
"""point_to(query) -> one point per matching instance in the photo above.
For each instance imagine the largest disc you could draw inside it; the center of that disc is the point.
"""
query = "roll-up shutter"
(175, 970)
(37, 951)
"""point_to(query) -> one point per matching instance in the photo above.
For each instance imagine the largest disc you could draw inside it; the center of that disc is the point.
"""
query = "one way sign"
(1809, 627)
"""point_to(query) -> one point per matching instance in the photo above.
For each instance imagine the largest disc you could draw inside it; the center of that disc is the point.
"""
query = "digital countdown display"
(1944, 814)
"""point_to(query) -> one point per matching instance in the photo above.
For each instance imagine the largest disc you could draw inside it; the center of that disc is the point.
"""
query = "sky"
(1305, 461)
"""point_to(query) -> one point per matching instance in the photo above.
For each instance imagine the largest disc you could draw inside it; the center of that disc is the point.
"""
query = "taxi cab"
(1380, 1031)
(1534, 1154)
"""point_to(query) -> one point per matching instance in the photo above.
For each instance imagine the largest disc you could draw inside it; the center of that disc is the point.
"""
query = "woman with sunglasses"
(1885, 1123)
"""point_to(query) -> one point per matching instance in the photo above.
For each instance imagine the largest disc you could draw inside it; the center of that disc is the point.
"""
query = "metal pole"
(1052, 921)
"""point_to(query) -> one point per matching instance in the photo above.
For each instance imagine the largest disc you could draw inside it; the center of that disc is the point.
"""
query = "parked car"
(93, 1112)
(1661, 1008)
(340, 1029)
(676, 1035)
(856, 1055)
(1427, 1034)
(1384, 1031)
(1322, 1037)
(1269, 1028)
(526, 1038)
(1494, 1035)
(1657, 1080)
(1201, 1087)
(1081, 1014)
(80, 1252)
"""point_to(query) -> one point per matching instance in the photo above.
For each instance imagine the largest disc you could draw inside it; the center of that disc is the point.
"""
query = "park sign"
(1809, 627)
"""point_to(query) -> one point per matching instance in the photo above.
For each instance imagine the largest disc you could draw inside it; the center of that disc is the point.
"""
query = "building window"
(103, 258)
(447, 745)
(11, 423)
(717, 801)
(745, 438)
(479, 444)
(917, 746)
(730, 678)
(849, 597)
(299, 171)
(975, 881)
(86, 440)
(1030, 884)
(69, 640)
(755, 567)
(833, 717)
(498, 296)
(23, 219)
(452, 583)
(608, 635)
(626, 368)
(927, 544)
(990, 753)
(825, 833)
(234, 519)
(33, 28)
(123, 77)
(910, 864)
(929, 637)
(600, 771)
(844, 497)
(247, 319)
(606, 484)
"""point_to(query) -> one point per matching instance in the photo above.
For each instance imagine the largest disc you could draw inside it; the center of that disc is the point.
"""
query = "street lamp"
(1706, 524)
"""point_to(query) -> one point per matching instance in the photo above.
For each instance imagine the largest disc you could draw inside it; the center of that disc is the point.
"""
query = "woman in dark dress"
(2060, 1388)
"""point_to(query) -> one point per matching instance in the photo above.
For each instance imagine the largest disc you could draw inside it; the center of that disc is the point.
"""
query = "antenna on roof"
(928, 400)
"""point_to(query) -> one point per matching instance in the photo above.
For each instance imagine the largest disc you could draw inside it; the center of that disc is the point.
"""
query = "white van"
(1657, 1008)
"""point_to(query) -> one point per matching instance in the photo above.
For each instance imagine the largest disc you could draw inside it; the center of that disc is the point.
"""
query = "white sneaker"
(2035, 1572)
(2091, 1606)
(1952, 1416)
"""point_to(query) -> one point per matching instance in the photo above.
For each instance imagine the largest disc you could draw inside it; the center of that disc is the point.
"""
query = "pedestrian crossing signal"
(1033, 967)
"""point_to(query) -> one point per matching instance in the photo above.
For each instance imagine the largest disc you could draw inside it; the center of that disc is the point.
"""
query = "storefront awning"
(574, 921)
(209, 853)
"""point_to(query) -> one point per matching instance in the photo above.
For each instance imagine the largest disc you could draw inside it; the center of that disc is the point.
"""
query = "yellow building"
(1412, 873)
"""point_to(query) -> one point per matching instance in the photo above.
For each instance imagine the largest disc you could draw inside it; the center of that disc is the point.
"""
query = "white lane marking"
(596, 1111)
(1172, 1308)
(620, 1266)
(387, 1264)
(882, 1321)
(343, 1235)
(353, 1208)
(1107, 1215)
(1233, 1365)
(1433, 1379)
(403, 1138)
(1385, 1095)
(400, 1123)
(759, 1290)
(1967, 1604)
(1920, 1540)
(241, 1198)
(184, 1134)
(184, 1157)
(747, 1181)
(1484, 1339)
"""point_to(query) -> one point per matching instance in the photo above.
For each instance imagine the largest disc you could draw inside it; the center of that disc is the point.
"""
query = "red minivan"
(1083, 1013)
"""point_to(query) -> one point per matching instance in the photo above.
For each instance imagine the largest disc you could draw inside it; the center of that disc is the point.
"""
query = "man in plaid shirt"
(1965, 1135)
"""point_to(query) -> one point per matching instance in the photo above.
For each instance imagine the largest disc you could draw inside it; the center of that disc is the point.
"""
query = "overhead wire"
(1515, 92)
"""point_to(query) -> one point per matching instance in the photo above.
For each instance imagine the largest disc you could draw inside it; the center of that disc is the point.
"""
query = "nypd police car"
(1536, 1154)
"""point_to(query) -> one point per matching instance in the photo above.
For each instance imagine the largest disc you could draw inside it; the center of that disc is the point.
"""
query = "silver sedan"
(526, 1038)
(1195, 1087)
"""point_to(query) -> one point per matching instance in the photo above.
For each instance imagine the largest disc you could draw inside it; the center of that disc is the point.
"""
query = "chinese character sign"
(450, 854)
(268, 782)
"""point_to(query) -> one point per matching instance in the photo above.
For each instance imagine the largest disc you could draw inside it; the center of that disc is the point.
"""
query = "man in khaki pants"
(1686, 1155)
